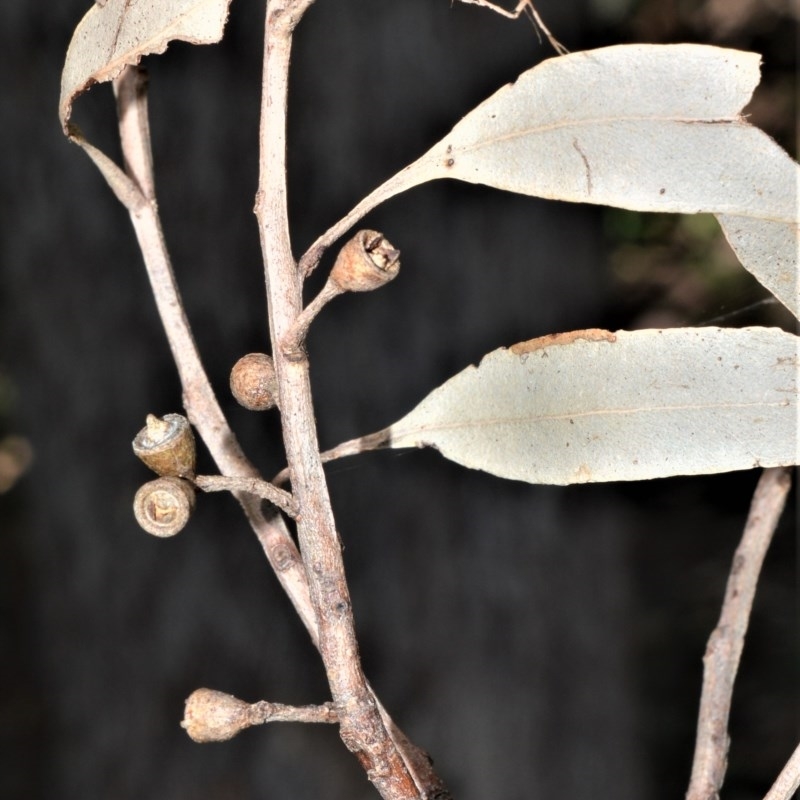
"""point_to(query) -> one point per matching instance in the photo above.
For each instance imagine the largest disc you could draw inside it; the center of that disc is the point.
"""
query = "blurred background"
(540, 642)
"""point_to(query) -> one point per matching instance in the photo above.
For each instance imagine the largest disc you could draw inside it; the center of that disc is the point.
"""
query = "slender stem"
(130, 89)
(296, 337)
(263, 711)
(788, 781)
(721, 660)
(362, 444)
(361, 725)
(199, 399)
(255, 486)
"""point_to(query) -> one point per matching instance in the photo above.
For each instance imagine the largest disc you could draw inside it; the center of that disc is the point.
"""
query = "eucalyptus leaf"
(642, 127)
(592, 406)
(118, 33)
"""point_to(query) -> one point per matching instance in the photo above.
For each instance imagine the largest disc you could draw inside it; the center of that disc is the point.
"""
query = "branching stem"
(296, 337)
(198, 396)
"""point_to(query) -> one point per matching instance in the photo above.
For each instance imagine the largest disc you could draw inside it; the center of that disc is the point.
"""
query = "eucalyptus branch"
(362, 726)
(721, 660)
(200, 402)
(199, 399)
(544, 135)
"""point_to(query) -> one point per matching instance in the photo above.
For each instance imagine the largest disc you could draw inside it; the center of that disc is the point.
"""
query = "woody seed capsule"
(162, 507)
(167, 445)
(366, 262)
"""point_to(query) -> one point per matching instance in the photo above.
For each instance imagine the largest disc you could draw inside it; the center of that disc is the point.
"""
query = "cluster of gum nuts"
(167, 446)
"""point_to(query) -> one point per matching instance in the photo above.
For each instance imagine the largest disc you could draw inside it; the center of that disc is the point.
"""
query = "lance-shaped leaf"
(595, 406)
(643, 127)
(117, 33)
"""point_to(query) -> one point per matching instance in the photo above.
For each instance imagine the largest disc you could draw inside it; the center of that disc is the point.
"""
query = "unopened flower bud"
(366, 262)
(212, 716)
(253, 382)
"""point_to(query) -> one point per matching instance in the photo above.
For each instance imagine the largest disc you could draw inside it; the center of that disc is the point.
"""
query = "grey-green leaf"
(593, 406)
(643, 127)
(118, 33)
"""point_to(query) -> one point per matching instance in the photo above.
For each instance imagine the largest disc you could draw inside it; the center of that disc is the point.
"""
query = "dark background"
(540, 642)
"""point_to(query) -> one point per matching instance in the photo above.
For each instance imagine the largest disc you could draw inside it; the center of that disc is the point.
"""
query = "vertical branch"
(724, 650)
(361, 726)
